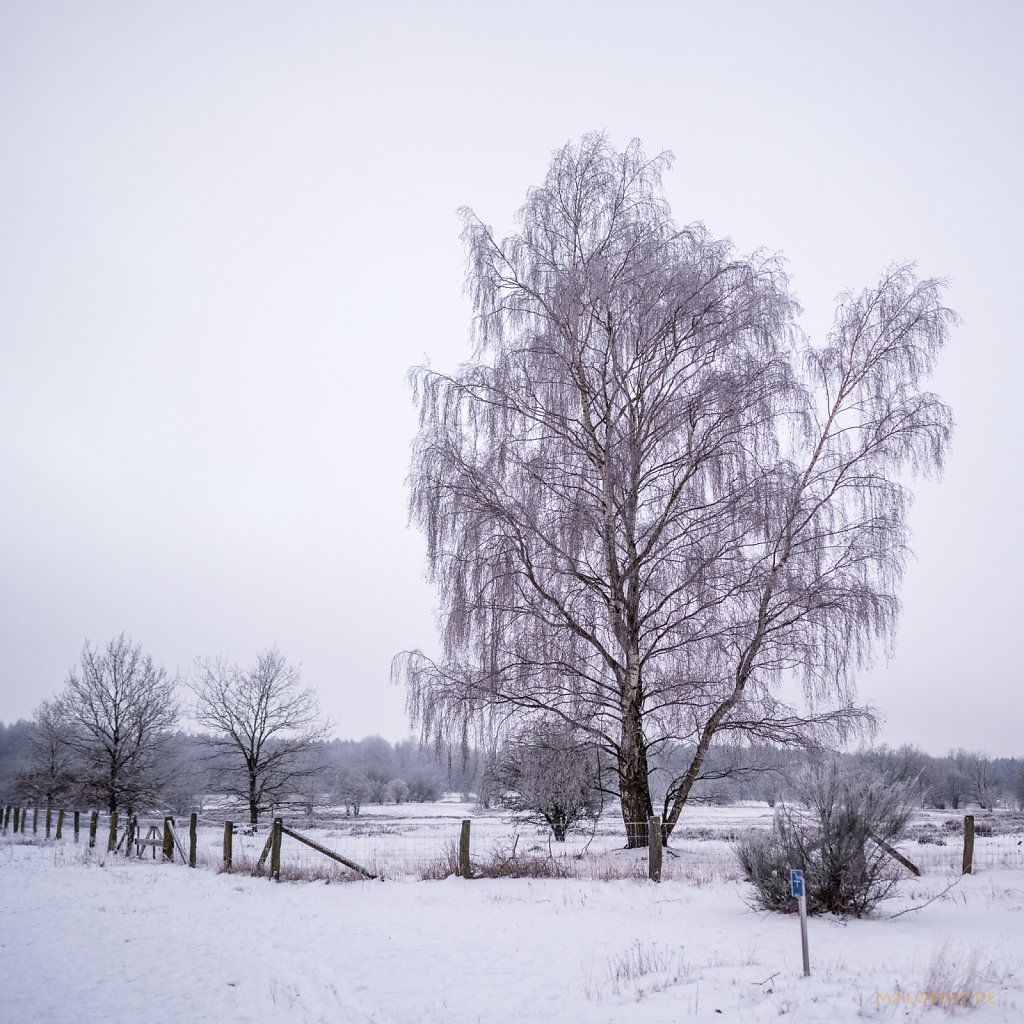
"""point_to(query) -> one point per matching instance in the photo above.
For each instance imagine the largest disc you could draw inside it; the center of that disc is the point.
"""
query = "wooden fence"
(163, 839)
(166, 839)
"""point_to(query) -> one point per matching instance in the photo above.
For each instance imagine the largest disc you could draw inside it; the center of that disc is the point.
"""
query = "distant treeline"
(374, 771)
(191, 771)
(951, 781)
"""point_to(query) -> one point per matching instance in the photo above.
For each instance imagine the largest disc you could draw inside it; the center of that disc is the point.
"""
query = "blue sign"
(796, 883)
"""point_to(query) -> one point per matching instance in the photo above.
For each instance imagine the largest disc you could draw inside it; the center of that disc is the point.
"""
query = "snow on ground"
(90, 937)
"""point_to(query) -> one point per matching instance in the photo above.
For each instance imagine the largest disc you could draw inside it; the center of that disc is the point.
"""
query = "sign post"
(796, 887)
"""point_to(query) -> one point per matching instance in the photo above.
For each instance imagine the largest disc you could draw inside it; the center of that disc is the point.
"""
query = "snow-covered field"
(93, 937)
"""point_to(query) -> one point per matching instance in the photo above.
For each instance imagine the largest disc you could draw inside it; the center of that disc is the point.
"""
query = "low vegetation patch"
(833, 838)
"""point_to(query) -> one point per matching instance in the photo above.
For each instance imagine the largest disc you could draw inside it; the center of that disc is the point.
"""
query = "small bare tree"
(983, 780)
(549, 774)
(648, 502)
(352, 788)
(118, 707)
(50, 776)
(955, 778)
(266, 727)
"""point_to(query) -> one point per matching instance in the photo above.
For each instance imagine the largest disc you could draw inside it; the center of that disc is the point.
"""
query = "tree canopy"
(267, 728)
(648, 500)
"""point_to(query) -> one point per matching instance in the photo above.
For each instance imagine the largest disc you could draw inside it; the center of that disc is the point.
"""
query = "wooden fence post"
(465, 868)
(17, 819)
(968, 845)
(49, 821)
(654, 848)
(229, 829)
(193, 819)
(35, 820)
(168, 839)
(94, 818)
(275, 851)
(60, 825)
(76, 826)
(7, 817)
(112, 837)
(129, 834)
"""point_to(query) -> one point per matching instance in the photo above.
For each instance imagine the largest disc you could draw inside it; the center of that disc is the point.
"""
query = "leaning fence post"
(228, 830)
(60, 824)
(168, 839)
(465, 868)
(275, 851)
(654, 848)
(968, 845)
(193, 818)
(112, 837)
(76, 825)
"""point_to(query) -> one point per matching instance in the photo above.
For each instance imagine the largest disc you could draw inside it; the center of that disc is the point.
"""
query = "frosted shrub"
(832, 839)
(549, 774)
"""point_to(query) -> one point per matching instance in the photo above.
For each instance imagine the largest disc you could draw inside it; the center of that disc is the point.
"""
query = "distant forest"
(192, 774)
(355, 773)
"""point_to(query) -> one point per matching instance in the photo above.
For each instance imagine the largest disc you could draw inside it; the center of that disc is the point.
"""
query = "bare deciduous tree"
(352, 787)
(648, 502)
(266, 727)
(117, 708)
(983, 780)
(50, 775)
(955, 778)
(550, 774)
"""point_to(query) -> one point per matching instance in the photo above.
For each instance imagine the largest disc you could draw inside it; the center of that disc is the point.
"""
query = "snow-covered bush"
(834, 839)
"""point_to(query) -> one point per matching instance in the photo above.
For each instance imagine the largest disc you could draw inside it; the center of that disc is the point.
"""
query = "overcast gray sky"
(228, 229)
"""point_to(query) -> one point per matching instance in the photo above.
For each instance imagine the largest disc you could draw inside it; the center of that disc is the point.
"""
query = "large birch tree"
(652, 509)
